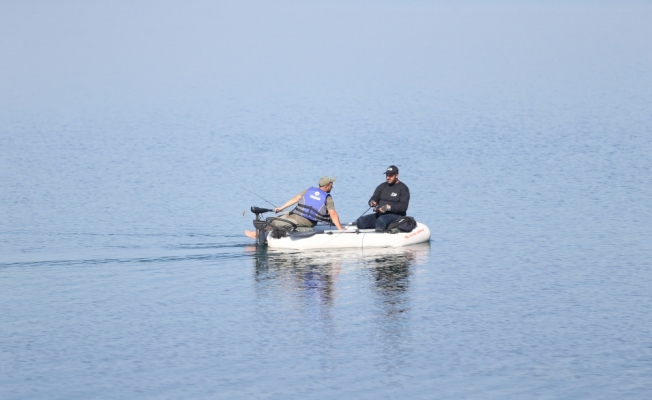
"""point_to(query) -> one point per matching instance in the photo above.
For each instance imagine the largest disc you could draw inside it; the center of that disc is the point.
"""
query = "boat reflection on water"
(319, 296)
(313, 274)
(316, 273)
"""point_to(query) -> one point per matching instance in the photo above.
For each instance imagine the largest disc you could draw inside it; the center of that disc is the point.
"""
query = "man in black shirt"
(390, 199)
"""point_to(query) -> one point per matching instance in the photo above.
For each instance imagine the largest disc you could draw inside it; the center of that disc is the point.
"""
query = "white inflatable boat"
(326, 237)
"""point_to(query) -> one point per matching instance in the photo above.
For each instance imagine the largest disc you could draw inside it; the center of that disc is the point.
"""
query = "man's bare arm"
(335, 218)
(288, 203)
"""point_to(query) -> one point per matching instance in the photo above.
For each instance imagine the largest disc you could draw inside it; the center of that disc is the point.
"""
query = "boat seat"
(303, 229)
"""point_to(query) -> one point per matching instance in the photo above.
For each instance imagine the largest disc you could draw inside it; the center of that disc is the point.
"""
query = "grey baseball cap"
(325, 180)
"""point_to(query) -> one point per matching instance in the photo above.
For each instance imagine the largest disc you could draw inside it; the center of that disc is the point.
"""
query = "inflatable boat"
(326, 236)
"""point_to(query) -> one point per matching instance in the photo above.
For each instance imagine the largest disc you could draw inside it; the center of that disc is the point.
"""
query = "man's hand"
(381, 209)
(278, 210)
(372, 203)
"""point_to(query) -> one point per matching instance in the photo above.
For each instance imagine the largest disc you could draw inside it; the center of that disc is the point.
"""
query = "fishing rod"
(264, 198)
(364, 213)
(344, 230)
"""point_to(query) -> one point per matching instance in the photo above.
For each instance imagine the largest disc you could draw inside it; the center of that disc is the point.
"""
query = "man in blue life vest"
(314, 205)
(390, 199)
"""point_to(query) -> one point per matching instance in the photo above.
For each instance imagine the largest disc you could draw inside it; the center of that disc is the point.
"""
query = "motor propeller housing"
(260, 224)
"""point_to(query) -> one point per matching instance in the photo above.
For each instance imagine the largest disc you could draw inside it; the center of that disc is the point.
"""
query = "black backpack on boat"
(403, 224)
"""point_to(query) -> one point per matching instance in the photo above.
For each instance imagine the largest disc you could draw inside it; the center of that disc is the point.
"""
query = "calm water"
(130, 134)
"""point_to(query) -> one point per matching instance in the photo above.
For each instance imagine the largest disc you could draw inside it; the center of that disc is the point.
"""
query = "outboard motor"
(260, 224)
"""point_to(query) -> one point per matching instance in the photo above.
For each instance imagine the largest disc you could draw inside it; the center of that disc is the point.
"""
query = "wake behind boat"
(326, 236)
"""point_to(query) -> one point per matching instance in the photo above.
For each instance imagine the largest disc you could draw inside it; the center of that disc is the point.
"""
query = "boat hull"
(350, 237)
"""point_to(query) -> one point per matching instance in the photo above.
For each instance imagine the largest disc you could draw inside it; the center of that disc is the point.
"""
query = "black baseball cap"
(391, 170)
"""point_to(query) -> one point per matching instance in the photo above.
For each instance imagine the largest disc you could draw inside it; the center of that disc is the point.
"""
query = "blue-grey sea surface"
(132, 135)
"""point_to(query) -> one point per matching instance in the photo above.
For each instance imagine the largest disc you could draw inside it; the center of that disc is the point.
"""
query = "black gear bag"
(403, 224)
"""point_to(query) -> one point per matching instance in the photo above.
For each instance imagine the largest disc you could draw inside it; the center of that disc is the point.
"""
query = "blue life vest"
(313, 206)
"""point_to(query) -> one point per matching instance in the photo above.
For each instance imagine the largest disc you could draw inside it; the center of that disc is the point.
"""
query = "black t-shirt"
(396, 195)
